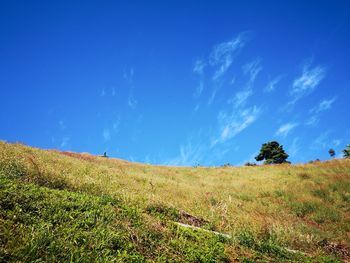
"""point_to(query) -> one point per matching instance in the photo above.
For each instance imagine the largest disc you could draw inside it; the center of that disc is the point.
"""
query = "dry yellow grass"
(299, 205)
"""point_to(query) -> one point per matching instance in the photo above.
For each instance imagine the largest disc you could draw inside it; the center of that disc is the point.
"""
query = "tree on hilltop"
(331, 152)
(347, 151)
(273, 153)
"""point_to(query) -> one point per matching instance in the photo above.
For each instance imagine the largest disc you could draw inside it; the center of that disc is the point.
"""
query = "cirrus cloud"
(307, 82)
(285, 129)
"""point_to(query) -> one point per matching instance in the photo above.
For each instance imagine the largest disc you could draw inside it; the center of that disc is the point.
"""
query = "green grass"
(68, 207)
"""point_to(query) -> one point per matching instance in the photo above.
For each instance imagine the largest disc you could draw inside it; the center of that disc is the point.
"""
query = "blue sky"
(176, 82)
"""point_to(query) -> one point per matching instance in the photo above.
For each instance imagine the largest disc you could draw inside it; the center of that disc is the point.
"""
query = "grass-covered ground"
(59, 207)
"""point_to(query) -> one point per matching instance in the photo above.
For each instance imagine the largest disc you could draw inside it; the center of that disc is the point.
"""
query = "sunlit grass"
(264, 208)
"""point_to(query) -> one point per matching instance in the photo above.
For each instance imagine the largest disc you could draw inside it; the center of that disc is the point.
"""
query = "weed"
(301, 209)
(163, 212)
(246, 239)
(326, 214)
(304, 175)
(323, 194)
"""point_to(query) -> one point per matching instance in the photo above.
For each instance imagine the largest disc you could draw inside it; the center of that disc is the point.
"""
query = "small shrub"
(326, 214)
(164, 212)
(301, 209)
(246, 239)
(271, 248)
(280, 193)
(213, 201)
(304, 175)
(245, 197)
(345, 197)
(265, 246)
(265, 194)
(322, 193)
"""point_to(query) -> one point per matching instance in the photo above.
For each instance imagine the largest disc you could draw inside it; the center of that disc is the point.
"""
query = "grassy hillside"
(60, 206)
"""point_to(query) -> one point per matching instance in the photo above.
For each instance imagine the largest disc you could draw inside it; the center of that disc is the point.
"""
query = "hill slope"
(61, 206)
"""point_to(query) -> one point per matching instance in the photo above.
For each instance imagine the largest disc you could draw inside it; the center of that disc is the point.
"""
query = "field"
(63, 206)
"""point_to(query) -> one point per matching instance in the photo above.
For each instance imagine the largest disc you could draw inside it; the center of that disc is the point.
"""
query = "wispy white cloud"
(129, 78)
(199, 66)
(65, 142)
(294, 148)
(106, 135)
(241, 97)
(129, 75)
(323, 105)
(285, 129)
(312, 121)
(321, 141)
(239, 117)
(271, 86)
(189, 154)
(111, 91)
(199, 89)
(225, 51)
(223, 68)
(307, 82)
(132, 102)
(199, 70)
(221, 59)
(218, 63)
(336, 142)
(231, 124)
(252, 69)
(212, 96)
(324, 142)
(315, 112)
(233, 80)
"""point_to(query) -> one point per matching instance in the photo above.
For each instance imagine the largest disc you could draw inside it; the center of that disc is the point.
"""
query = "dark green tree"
(273, 153)
(331, 152)
(347, 151)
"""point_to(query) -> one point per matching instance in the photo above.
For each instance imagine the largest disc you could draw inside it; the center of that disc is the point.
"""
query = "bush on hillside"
(273, 153)
(347, 151)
